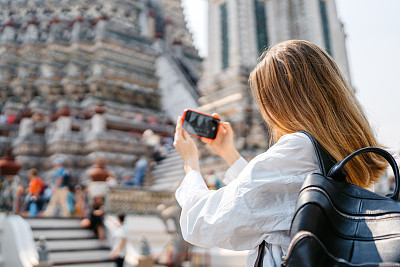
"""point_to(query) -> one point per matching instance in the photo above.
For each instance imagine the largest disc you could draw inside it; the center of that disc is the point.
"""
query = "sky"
(373, 49)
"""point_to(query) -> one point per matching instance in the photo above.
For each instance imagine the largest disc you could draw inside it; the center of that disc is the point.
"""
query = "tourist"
(7, 199)
(160, 152)
(298, 87)
(127, 179)
(33, 198)
(212, 180)
(111, 180)
(140, 171)
(98, 176)
(3, 118)
(150, 138)
(119, 242)
(96, 219)
(60, 190)
(11, 119)
(80, 201)
(99, 172)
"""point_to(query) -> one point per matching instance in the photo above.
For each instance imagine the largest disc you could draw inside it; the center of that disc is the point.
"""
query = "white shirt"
(120, 234)
(257, 204)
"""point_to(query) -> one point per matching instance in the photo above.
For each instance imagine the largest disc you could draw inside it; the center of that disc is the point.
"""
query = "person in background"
(212, 181)
(60, 191)
(96, 219)
(127, 179)
(34, 192)
(99, 172)
(3, 118)
(80, 202)
(140, 171)
(119, 242)
(160, 152)
(111, 180)
(11, 119)
(19, 199)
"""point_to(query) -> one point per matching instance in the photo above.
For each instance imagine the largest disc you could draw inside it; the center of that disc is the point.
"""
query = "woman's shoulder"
(293, 150)
(295, 138)
(293, 142)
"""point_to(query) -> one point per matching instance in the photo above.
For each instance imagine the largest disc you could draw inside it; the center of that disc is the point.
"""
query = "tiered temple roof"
(79, 78)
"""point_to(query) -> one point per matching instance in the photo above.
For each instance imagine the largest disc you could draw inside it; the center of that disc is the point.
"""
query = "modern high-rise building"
(238, 32)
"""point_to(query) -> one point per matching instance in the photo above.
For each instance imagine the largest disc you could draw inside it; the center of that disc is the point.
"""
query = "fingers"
(215, 115)
(226, 126)
(185, 134)
(178, 130)
(179, 122)
(206, 140)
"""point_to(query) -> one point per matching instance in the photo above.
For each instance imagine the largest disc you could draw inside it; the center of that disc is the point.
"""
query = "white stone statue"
(25, 127)
(63, 126)
(99, 123)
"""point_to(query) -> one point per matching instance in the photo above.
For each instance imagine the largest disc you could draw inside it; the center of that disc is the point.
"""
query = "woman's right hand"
(223, 144)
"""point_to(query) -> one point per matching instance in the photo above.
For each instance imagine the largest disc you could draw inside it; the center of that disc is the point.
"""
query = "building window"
(224, 36)
(325, 25)
(261, 24)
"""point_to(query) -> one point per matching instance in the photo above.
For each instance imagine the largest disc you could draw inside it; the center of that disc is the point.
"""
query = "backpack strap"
(325, 162)
(260, 255)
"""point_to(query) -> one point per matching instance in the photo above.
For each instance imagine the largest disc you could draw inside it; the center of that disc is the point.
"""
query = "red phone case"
(183, 118)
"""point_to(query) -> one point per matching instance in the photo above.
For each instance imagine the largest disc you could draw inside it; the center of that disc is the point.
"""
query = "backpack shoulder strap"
(325, 160)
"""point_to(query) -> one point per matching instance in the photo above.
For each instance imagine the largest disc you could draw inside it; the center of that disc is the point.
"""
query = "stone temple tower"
(239, 30)
(83, 80)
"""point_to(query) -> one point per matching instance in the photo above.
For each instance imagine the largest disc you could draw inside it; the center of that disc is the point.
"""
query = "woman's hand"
(186, 147)
(113, 254)
(223, 144)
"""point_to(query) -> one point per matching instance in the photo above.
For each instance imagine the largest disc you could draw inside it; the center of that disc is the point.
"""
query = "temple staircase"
(168, 172)
(68, 244)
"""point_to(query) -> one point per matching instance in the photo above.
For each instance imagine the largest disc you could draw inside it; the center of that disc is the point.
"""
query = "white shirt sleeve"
(258, 205)
(233, 172)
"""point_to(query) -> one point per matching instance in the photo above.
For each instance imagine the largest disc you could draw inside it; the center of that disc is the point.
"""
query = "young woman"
(298, 87)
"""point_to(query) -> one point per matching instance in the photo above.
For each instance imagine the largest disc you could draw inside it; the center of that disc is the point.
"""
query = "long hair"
(299, 87)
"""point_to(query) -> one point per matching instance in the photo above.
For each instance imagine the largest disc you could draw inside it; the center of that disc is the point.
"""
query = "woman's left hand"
(186, 147)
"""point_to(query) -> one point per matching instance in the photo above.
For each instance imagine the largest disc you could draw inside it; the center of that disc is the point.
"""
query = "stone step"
(175, 157)
(177, 174)
(168, 172)
(169, 167)
(70, 245)
(82, 257)
(80, 249)
(94, 264)
(173, 174)
(43, 222)
(55, 227)
(54, 234)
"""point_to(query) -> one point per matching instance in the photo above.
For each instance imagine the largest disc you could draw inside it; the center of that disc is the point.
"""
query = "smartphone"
(200, 124)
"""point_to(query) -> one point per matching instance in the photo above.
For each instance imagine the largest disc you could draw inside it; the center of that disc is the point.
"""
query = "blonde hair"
(299, 87)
